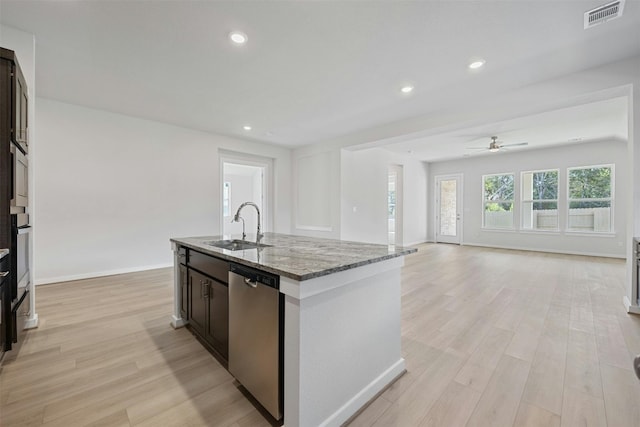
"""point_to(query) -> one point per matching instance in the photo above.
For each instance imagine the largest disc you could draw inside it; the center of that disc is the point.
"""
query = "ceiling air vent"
(603, 13)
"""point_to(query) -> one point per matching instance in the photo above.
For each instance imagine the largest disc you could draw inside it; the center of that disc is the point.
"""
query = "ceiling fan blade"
(477, 148)
(514, 145)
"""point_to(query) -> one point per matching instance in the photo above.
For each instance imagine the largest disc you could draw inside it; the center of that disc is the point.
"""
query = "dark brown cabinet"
(5, 305)
(198, 301)
(20, 122)
(217, 332)
(207, 295)
(14, 293)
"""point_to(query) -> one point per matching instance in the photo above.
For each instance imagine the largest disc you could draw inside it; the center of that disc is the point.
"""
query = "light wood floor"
(491, 338)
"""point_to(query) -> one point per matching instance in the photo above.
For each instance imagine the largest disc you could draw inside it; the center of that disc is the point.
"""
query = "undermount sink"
(236, 245)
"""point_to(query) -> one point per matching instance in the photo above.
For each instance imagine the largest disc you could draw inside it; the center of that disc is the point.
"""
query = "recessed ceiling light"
(406, 89)
(477, 64)
(246, 127)
(238, 37)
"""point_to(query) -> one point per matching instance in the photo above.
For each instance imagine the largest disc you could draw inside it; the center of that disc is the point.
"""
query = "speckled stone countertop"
(299, 257)
(4, 253)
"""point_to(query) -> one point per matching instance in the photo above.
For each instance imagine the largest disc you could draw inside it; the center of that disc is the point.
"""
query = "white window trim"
(522, 202)
(484, 203)
(611, 200)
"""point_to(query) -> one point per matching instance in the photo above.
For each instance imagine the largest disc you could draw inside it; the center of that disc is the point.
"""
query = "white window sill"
(609, 234)
(499, 230)
(533, 231)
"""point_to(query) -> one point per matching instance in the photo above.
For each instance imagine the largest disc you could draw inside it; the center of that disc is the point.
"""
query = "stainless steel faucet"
(237, 217)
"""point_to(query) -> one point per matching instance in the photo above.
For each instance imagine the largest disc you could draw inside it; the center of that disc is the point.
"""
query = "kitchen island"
(341, 323)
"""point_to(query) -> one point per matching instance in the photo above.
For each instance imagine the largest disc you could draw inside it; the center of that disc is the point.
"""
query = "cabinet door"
(21, 106)
(198, 301)
(184, 291)
(218, 326)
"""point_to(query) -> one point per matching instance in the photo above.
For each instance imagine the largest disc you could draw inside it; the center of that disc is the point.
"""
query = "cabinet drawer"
(214, 267)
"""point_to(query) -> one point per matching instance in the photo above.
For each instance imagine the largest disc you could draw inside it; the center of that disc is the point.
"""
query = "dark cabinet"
(217, 332)
(14, 106)
(198, 301)
(208, 300)
(5, 306)
(19, 121)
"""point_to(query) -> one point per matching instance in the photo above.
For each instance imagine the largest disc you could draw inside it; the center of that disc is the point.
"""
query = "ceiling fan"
(495, 145)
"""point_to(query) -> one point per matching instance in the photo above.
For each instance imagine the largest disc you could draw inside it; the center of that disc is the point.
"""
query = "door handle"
(206, 290)
(4, 274)
(248, 282)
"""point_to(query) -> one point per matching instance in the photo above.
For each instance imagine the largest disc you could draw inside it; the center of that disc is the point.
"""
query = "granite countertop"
(4, 253)
(299, 257)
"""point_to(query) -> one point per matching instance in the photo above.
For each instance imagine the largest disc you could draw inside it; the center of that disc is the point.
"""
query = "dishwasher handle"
(250, 283)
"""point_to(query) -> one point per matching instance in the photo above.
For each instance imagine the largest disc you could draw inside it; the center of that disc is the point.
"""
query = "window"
(540, 200)
(226, 199)
(590, 199)
(498, 194)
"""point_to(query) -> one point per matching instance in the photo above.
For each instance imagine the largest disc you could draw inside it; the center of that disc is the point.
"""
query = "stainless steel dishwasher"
(255, 334)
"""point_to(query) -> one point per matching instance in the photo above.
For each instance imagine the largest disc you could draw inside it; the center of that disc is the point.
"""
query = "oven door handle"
(24, 230)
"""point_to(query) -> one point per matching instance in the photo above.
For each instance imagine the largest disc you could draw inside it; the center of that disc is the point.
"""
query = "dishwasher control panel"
(267, 279)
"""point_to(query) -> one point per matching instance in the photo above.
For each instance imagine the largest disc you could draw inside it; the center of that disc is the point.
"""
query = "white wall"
(316, 192)
(595, 153)
(358, 179)
(113, 189)
(364, 186)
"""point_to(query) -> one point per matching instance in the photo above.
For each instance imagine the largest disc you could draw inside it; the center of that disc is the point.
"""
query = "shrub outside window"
(540, 200)
(498, 196)
(590, 199)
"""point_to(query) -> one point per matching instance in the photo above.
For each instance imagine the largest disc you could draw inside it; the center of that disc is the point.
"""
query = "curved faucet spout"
(237, 217)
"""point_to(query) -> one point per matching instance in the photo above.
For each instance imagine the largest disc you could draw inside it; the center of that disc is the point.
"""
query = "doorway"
(245, 180)
(448, 205)
(394, 205)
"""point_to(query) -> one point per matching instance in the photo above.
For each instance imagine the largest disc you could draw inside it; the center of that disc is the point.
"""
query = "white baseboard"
(353, 405)
(414, 243)
(631, 308)
(31, 322)
(177, 323)
(48, 280)
(524, 248)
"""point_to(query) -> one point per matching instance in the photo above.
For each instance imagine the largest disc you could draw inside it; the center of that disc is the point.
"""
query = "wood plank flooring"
(491, 338)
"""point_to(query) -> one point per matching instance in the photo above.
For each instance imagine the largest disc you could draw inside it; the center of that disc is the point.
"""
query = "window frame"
(610, 199)
(485, 201)
(523, 201)
(226, 207)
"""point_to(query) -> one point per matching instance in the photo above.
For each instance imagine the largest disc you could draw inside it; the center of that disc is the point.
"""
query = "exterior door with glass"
(448, 209)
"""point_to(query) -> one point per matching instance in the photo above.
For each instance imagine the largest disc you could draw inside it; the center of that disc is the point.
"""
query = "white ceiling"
(311, 71)
(596, 121)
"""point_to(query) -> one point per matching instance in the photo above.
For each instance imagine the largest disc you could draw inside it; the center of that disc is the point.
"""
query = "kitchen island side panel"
(342, 347)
